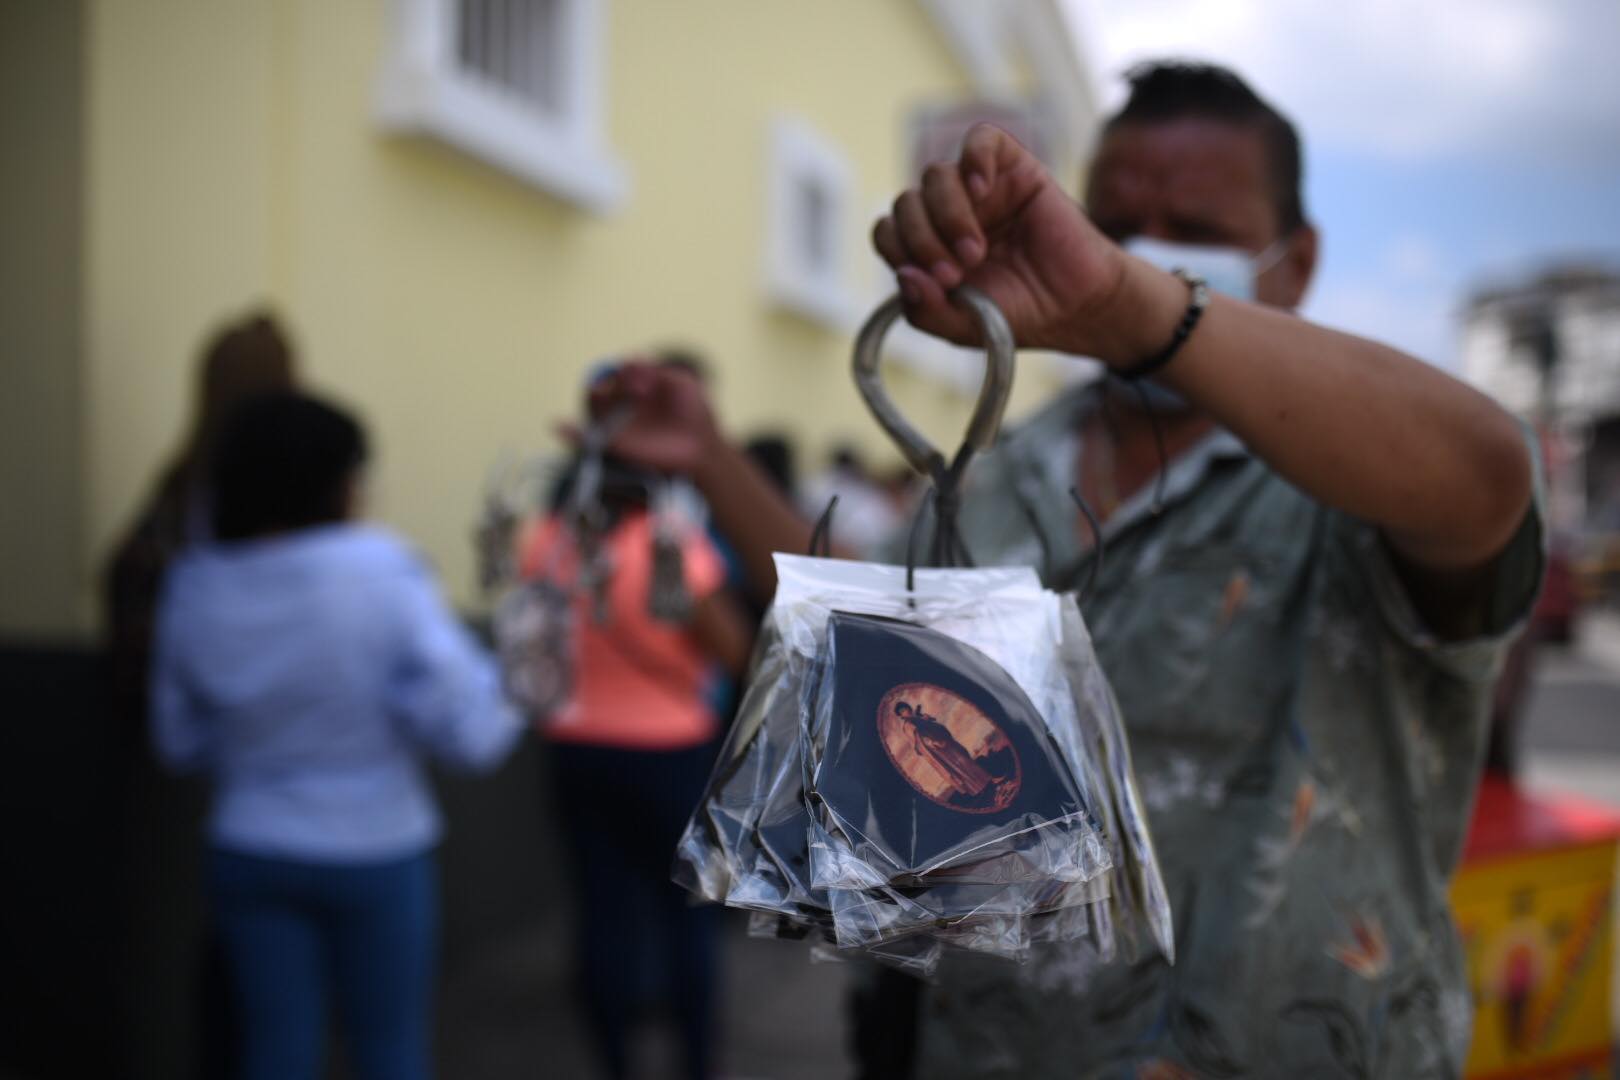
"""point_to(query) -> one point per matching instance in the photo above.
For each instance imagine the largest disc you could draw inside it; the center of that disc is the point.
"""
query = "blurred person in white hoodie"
(309, 664)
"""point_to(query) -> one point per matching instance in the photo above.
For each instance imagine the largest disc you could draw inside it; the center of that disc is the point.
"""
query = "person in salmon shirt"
(629, 753)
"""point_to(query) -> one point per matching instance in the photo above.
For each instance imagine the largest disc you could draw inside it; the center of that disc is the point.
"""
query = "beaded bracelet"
(1195, 308)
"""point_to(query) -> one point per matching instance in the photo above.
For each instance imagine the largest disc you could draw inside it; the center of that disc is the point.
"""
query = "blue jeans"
(298, 935)
(641, 937)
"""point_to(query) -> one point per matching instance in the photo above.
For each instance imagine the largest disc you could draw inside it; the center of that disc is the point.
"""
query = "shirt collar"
(1185, 474)
(1044, 453)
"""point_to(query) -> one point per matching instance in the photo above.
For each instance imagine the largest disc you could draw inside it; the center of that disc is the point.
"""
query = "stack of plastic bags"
(923, 768)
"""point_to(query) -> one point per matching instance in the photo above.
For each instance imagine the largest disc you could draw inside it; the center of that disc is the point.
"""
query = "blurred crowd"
(299, 672)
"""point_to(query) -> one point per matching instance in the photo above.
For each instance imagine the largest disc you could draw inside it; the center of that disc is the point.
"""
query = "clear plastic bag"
(914, 769)
(533, 627)
(534, 618)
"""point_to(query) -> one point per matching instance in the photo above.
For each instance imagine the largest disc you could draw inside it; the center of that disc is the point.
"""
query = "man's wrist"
(1146, 309)
(716, 459)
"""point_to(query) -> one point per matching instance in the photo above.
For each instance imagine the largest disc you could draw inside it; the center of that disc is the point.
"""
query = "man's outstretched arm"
(1437, 466)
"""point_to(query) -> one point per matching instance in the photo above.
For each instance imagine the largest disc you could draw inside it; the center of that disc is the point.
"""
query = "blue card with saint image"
(934, 760)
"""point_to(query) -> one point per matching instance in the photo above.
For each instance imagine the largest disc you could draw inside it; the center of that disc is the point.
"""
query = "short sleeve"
(1513, 584)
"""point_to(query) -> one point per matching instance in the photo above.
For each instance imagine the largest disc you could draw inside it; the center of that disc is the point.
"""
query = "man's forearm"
(1362, 427)
(751, 513)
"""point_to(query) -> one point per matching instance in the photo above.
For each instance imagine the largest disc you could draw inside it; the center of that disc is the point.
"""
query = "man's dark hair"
(1165, 90)
(625, 488)
(845, 456)
(284, 461)
(774, 454)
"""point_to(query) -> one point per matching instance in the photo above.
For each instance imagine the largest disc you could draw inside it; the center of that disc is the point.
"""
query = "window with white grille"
(513, 45)
(517, 83)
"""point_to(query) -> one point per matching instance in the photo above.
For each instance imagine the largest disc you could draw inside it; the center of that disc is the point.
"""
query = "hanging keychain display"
(535, 614)
(531, 621)
(928, 757)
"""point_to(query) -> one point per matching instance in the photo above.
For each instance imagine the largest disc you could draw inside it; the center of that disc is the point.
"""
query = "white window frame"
(798, 154)
(425, 91)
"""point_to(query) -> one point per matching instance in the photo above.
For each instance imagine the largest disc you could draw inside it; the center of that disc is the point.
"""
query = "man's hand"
(1439, 468)
(670, 426)
(998, 221)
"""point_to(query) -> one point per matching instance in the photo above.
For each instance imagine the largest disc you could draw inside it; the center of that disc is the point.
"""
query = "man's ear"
(1293, 273)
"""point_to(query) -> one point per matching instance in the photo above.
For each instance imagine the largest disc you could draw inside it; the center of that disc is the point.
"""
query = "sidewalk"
(1571, 735)
(510, 1012)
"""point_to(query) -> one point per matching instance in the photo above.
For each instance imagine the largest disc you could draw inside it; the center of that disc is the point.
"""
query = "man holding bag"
(1318, 549)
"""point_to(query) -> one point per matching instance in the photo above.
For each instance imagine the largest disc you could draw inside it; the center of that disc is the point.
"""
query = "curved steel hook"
(998, 376)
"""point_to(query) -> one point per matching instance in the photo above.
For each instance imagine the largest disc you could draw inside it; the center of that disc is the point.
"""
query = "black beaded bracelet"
(1195, 308)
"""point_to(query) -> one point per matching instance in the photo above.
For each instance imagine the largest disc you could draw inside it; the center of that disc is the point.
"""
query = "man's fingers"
(928, 307)
(921, 292)
(925, 298)
(938, 234)
(886, 239)
(999, 174)
(951, 212)
(938, 226)
(923, 246)
(631, 382)
(982, 158)
(602, 395)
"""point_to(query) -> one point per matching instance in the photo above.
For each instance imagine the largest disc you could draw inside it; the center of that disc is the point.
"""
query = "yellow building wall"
(179, 184)
(233, 159)
(41, 429)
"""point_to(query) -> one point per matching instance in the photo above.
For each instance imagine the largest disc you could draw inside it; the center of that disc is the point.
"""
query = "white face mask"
(1227, 270)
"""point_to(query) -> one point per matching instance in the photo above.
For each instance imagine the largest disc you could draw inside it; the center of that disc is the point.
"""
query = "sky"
(1449, 144)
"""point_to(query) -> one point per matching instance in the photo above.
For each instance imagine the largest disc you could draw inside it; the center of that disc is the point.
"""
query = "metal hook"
(993, 393)
(821, 535)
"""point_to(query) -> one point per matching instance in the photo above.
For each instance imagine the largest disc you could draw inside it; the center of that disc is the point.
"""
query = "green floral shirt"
(1308, 754)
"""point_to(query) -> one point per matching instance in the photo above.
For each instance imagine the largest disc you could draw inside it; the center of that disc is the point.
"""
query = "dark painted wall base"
(103, 962)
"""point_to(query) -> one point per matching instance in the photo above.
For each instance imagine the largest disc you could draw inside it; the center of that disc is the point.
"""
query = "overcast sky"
(1448, 143)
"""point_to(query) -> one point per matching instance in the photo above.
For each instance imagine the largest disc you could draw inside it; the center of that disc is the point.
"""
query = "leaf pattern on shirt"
(1193, 1031)
(1182, 779)
(1198, 1036)
(1233, 596)
(1342, 638)
(1366, 951)
(1340, 1031)
(1313, 802)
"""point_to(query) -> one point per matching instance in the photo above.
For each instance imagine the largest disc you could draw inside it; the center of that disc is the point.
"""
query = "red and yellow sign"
(1534, 902)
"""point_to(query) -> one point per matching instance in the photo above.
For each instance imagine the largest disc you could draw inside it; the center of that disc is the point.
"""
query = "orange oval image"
(948, 749)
